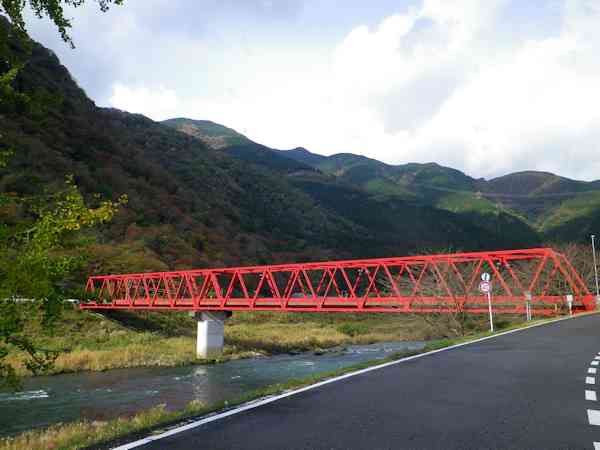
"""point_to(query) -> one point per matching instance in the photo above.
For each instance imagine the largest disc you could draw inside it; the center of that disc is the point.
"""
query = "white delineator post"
(211, 326)
(528, 298)
(570, 304)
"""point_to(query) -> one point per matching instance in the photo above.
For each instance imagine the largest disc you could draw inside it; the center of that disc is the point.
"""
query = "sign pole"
(595, 272)
(485, 287)
(489, 296)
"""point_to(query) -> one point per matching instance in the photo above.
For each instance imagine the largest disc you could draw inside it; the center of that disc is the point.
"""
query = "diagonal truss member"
(444, 283)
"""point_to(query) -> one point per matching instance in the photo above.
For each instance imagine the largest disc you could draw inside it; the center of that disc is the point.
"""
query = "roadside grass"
(85, 433)
(82, 434)
(90, 341)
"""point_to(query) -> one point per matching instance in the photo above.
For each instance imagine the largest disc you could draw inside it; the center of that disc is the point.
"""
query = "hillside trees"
(40, 245)
(40, 235)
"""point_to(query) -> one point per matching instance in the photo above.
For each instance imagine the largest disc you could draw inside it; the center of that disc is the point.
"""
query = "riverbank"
(85, 433)
(92, 342)
(82, 434)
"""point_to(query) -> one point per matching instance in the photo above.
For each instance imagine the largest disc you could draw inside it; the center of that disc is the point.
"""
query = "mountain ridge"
(530, 195)
(302, 154)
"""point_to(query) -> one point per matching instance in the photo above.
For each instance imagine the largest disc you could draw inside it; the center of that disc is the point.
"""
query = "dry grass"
(277, 332)
(82, 434)
(93, 342)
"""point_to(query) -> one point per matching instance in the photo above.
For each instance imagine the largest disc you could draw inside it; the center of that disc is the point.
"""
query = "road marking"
(597, 357)
(264, 401)
(594, 416)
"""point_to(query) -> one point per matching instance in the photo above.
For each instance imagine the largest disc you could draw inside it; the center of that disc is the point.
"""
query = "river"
(104, 395)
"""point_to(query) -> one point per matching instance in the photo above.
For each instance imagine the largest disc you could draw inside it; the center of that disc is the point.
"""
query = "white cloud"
(486, 109)
(159, 103)
(442, 81)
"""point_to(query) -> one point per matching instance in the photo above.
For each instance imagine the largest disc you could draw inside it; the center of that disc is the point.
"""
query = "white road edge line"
(264, 401)
(590, 395)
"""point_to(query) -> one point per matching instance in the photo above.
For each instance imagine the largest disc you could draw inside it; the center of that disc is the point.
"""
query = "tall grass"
(93, 342)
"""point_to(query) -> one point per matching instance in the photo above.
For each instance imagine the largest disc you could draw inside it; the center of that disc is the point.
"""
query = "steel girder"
(443, 283)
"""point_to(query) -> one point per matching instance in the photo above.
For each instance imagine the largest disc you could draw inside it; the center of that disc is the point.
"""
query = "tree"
(34, 264)
(53, 9)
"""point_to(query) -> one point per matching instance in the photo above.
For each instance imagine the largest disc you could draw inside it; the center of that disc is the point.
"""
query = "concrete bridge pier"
(209, 340)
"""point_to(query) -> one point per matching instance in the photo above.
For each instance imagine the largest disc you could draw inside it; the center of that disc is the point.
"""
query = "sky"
(488, 87)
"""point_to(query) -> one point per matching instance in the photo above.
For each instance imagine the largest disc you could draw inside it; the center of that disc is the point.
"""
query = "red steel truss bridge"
(443, 283)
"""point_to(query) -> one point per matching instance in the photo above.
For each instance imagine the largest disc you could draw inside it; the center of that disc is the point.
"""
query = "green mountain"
(536, 195)
(358, 188)
(236, 145)
(212, 134)
(557, 207)
(208, 196)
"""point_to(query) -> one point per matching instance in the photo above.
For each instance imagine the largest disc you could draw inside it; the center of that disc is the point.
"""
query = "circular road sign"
(485, 287)
(485, 276)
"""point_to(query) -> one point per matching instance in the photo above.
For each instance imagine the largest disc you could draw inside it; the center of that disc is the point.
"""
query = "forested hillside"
(191, 204)
(555, 207)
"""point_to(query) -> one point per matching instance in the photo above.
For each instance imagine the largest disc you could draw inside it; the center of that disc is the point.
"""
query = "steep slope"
(531, 183)
(212, 134)
(575, 218)
(561, 208)
(193, 205)
(390, 199)
(558, 207)
(220, 137)
(421, 227)
(536, 195)
(189, 204)
(428, 182)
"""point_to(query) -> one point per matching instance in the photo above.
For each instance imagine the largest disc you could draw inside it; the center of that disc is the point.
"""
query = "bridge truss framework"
(443, 283)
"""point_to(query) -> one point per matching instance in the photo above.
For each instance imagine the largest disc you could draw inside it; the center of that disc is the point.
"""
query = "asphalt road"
(524, 390)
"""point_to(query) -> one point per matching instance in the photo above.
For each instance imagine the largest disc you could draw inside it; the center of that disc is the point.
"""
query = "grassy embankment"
(82, 434)
(90, 341)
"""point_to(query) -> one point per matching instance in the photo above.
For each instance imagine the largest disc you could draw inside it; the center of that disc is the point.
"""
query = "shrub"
(353, 329)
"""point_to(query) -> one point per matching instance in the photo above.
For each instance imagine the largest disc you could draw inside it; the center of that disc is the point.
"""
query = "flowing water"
(104, 395)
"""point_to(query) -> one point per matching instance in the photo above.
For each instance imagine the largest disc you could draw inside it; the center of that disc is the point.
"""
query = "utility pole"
(595, 268)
